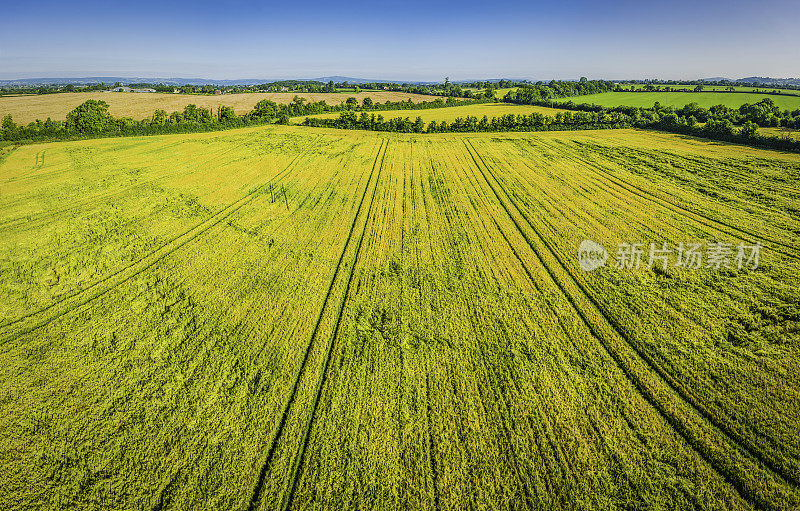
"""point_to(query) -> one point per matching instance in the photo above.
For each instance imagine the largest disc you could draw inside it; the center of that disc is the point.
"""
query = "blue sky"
(411, 40)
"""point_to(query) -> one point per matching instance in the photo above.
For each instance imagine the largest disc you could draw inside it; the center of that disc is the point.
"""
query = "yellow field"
(291, 318)
(140, 105)
(449, 114)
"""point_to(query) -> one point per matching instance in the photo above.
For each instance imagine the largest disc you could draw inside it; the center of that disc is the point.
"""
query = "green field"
(679, 99)
(711, 88)
(301, 318)
(780, 133)
(450, 114)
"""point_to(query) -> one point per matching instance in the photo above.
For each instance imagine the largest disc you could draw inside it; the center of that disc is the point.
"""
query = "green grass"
(712, 88)
(337, 319)
(449, 114)
(780, 133)
(679, 99)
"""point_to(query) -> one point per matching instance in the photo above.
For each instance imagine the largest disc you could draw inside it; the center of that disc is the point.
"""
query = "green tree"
(226, 113)
(91, 116)
(351, 103)
(8, 127)
(159, 116)
(367, 102)
(748, 129)
(265, 110)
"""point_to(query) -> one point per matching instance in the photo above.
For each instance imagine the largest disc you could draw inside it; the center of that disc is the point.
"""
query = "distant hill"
(180, 81)
(128, 79)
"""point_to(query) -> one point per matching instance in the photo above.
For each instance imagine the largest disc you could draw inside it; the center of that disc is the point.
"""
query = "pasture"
(713, 88)
(449, 114)
(780, 133)
(141, 105)
(680, 99)
(301, 318)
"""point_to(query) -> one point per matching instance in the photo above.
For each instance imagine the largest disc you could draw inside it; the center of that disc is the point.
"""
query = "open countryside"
(429, 256)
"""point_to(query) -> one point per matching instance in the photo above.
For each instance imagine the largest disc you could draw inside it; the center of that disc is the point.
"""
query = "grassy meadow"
(141, 105)
(780, 132)
(449, 114)
(713, 88)
(295, 318)
(679, 99)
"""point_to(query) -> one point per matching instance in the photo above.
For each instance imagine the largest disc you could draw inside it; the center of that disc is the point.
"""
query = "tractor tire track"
(256, 494)
(250, 194)
(107, 195)
(666, 409)
(140, 265)
(737, 432)
(300, 455)
(778, 246)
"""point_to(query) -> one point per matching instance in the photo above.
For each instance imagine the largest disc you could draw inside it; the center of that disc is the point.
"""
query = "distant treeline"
(719, 122)
(764, 114)
(460, 90)
(92, 118)
(716, 83)
(540, 93)
(510, 122)
(730, 89)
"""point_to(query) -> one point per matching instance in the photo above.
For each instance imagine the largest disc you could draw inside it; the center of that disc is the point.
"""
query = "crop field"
(290, 318)
(450, 113)
(141, 105)
(679, 99)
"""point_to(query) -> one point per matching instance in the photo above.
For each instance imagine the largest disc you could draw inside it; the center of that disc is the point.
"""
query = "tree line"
(719, 122)
(764, 113)
(92, 118)
(581, 117)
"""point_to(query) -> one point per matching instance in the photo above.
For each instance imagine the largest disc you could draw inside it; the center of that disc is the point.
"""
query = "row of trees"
(92, 118)
(786, 84)
(591, 117)
(509, 122)
(765, 113)
(540, 93)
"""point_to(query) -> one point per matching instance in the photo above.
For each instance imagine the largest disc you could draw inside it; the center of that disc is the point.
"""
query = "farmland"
(294, 318)
(25, 109)
(449, 114)
(780, 133)
(679, 99)
(713, 88)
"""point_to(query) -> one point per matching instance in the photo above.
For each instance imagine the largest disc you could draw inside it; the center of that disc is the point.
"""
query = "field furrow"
(296, 318)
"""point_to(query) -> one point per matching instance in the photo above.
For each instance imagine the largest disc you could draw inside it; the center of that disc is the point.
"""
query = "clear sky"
(412, 39)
